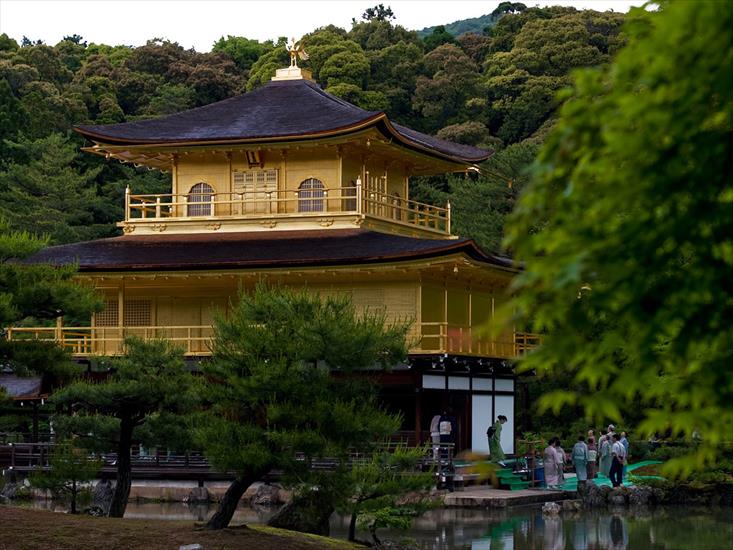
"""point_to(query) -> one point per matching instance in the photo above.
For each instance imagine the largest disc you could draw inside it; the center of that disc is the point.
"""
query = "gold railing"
(308, 202)
(85, 341)
(196, 340)
(367, 200)
(405, 211)
(442, 337)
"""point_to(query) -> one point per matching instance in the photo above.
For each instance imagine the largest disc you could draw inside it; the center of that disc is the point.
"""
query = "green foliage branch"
(150, 380)
(281, 392)
(628, 275)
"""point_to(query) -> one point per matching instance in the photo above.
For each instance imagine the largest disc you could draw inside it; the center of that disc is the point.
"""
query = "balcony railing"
(196, 340)
(356, 200)
(442, 337)
(86, 341)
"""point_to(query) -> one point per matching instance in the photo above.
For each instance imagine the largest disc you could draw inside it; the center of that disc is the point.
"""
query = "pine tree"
(378, 485)
(275, 400)
(40, 293)
(148, 380)
(43, 192)
(70, 468)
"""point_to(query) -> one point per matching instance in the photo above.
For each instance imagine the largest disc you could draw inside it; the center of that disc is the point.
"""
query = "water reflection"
(196, 512)
(518, 528)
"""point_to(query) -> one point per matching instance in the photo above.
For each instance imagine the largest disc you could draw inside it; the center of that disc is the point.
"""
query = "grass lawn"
(32, 529)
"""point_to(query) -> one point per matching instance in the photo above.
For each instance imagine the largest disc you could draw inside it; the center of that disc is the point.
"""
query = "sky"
(199, 23)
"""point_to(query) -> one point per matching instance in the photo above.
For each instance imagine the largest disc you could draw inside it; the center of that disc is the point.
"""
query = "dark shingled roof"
(287, 109)
(20, 388)
(254, 250)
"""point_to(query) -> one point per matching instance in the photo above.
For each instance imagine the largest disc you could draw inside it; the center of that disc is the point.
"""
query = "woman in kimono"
(580, 459)
(495, 450)
(606, 457)
(552, 464)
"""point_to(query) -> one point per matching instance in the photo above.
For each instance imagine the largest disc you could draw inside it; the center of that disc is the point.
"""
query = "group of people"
(608, 456)
(443, 431)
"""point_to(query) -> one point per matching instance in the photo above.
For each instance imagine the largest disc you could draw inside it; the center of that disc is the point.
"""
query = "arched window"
(310, 196)
(200, 200)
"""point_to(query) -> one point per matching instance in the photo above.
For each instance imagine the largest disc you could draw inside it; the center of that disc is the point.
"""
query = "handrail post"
(157, 207)
(359, 193)
(447, 218)
(127, 203)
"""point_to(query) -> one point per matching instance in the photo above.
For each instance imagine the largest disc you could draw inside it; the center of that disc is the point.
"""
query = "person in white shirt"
(618, 452)
(435, 435)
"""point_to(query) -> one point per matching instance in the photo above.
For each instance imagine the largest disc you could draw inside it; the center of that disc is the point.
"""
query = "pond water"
(523, 528)
(670, 528)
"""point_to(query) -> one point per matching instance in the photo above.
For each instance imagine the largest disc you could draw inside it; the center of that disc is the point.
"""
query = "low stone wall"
(665, 493)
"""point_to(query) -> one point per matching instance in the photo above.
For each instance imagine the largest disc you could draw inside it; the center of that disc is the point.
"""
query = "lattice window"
(247, 181)
(310, 196)
(137, 313)
(200, 199)
(108, 316)
(257, 188)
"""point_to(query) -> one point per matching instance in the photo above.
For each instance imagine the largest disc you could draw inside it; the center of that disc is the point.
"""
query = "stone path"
(488, 497)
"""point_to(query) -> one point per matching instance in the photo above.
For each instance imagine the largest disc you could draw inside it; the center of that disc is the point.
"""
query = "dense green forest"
(496, 88)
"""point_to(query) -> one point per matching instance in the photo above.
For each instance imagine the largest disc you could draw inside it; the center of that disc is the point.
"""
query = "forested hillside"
(496, 89)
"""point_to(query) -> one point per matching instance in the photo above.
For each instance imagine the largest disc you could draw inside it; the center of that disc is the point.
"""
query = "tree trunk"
(228, 504)
(352, 527)
(308, 512)
(124, 470)
(373, 531)
(73, 497)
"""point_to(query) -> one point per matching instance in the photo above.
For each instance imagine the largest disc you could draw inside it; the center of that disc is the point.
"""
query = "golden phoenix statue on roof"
(296, 50)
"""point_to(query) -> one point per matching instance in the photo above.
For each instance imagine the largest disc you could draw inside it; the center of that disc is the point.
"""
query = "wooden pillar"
(59, 336)
(121, 313)
(418, 414)
(446, 343)
(34, 437)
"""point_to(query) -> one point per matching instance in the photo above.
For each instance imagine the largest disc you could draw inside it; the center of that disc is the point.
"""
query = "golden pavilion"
(290, 185)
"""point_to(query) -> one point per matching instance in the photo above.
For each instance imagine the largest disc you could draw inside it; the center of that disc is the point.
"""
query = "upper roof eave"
(267, 115)
(374, 121)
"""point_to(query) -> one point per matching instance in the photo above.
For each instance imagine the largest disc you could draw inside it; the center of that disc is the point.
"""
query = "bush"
(668, 452)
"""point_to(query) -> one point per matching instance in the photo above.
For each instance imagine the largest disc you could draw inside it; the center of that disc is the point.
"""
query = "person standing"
(562, 458)
(605, 452)
(447, 435)
(494, 435)
(552, 464)
(618, 454)
(592, 458)
(580, 459)
(625, 442)
(435, 435)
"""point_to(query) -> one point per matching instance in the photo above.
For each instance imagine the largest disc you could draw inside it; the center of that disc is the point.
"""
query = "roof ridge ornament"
(293, 72)
(296, 50)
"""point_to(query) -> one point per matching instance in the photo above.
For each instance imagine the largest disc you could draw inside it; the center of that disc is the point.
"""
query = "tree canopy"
(39, 294)
(148, 381)
(494, 86)
(275, 402)
(628, 272)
